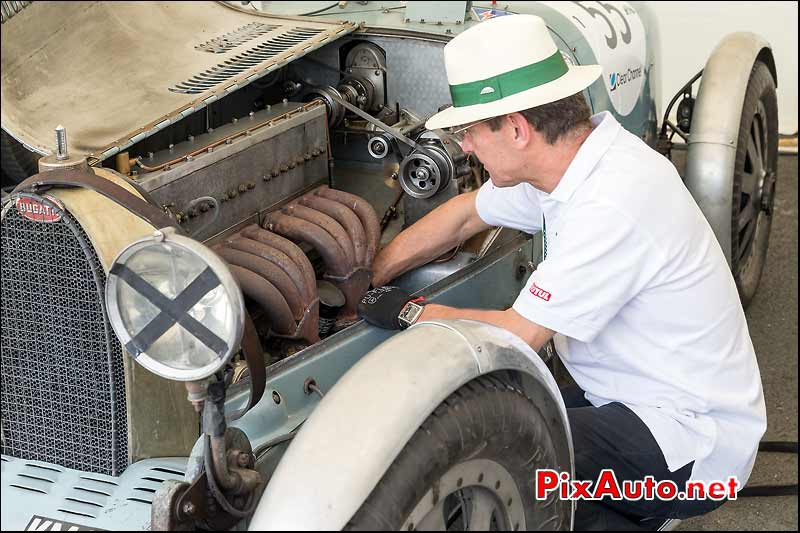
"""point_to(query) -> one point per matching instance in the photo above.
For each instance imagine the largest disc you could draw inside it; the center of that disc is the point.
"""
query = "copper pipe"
(365, 213)
(289, 248)
(271, 273)
(302, 230)
(268, 297)
(328, 224)
(344, 216)
(280, 259)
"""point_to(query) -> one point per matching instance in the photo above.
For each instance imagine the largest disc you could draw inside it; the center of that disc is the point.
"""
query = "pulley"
(425, 172)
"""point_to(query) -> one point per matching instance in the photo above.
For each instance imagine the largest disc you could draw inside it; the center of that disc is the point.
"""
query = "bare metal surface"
(252, 174)
(150, 46)
(715, 130)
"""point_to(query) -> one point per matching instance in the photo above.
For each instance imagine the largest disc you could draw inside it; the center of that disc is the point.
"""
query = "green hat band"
(508, 83)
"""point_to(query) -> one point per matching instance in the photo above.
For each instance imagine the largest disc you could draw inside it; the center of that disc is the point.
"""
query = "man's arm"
(532, 333)
(440, 230)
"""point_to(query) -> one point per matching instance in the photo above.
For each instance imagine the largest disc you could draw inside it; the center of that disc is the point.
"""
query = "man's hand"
(381, 307)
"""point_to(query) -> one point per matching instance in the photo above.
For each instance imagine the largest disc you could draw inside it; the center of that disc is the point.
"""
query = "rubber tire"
(18, 162)
(747, 272)
(486, 418)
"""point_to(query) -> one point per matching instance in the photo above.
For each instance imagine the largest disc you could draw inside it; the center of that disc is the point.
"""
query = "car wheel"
(471, 466)
(755, 171)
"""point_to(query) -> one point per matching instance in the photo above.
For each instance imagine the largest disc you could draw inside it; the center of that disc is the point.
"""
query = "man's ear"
(522, 130)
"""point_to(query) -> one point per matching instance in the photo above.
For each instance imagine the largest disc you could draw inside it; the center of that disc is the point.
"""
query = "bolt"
(228, 141)
(314, 153)
(61, 143)
(284, 168)
(235, 120)
(251, 185)
(458, 22)
(233, 193)
(190, 158)
(243, 187)
(478, 349)
(448, 30)
(189, 508)
(307, 156)
(243, 460)
(150, 155)
(171, 146)
(190, 138)
(203, 207)
(223, 198)
(394, 175)
(192, 212)
(210, 130)
(423, 174)
(180, 217)
(275, 173)
(422, 21)
(210, 149)
(285, 101)
(408, 20)
(292, 164)
(252, 113)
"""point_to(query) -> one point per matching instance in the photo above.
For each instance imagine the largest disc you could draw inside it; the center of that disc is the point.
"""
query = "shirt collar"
(605, 129)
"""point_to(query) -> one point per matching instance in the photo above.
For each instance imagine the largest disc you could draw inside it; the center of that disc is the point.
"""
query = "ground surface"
(772, 318)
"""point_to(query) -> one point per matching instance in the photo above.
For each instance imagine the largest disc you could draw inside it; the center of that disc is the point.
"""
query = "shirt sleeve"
(515, 207)
(596, 263)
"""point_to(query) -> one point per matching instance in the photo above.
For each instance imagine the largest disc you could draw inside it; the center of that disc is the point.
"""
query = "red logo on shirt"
(540, 293)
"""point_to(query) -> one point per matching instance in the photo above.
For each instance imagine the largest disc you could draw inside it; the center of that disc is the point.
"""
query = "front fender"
(715, 128)
(363, 423)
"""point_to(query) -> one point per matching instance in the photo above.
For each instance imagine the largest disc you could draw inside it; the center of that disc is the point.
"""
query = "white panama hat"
(503, 65)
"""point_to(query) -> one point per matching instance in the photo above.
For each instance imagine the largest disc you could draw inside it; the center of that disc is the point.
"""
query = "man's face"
(495, 151)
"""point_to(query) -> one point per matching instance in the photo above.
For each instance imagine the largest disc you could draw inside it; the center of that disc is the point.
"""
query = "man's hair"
(556, 119)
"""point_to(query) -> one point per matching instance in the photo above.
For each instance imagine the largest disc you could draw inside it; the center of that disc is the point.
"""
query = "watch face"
(410, 313)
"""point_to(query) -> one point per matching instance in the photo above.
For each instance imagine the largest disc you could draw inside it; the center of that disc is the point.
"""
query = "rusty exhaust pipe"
(268, 297)
(296, 228)
(289, 248)
(328, 224)
(270, 273)
(280, 259)
(365, 213)
(348, 220)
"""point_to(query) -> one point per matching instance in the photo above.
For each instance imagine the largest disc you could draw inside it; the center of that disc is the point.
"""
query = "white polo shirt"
(645, 305)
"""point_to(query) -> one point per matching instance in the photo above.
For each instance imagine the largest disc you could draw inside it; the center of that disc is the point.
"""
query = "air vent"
(249, 58)
(9, 9)
(232, 39)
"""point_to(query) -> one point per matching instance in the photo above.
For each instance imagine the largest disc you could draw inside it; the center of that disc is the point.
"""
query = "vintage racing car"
(193, 196)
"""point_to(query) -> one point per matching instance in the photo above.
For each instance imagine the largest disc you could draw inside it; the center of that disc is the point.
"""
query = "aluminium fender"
(715, 128)
(330, 468)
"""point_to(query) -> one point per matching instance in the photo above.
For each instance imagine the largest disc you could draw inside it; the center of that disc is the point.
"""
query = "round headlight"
(175, 306)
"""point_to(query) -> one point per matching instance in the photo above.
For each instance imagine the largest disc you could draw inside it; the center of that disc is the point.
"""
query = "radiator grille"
(63, 384)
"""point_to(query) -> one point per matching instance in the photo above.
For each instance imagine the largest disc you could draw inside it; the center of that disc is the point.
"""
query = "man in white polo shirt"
(633, 283)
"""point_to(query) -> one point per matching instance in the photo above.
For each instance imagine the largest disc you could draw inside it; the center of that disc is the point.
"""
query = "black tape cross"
(172, 311)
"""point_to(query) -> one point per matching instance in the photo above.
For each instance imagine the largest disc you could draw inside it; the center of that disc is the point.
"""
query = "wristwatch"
(409, 314)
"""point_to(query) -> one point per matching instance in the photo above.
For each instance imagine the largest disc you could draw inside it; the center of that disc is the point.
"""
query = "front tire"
(755, 171)
(471, 466)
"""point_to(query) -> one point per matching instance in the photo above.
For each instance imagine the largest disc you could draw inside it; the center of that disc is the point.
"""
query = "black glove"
(381, 307)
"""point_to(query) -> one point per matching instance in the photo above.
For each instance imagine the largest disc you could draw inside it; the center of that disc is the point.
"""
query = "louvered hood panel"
(114, 73)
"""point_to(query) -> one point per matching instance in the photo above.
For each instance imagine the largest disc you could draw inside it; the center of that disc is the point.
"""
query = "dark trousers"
(613, 437)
